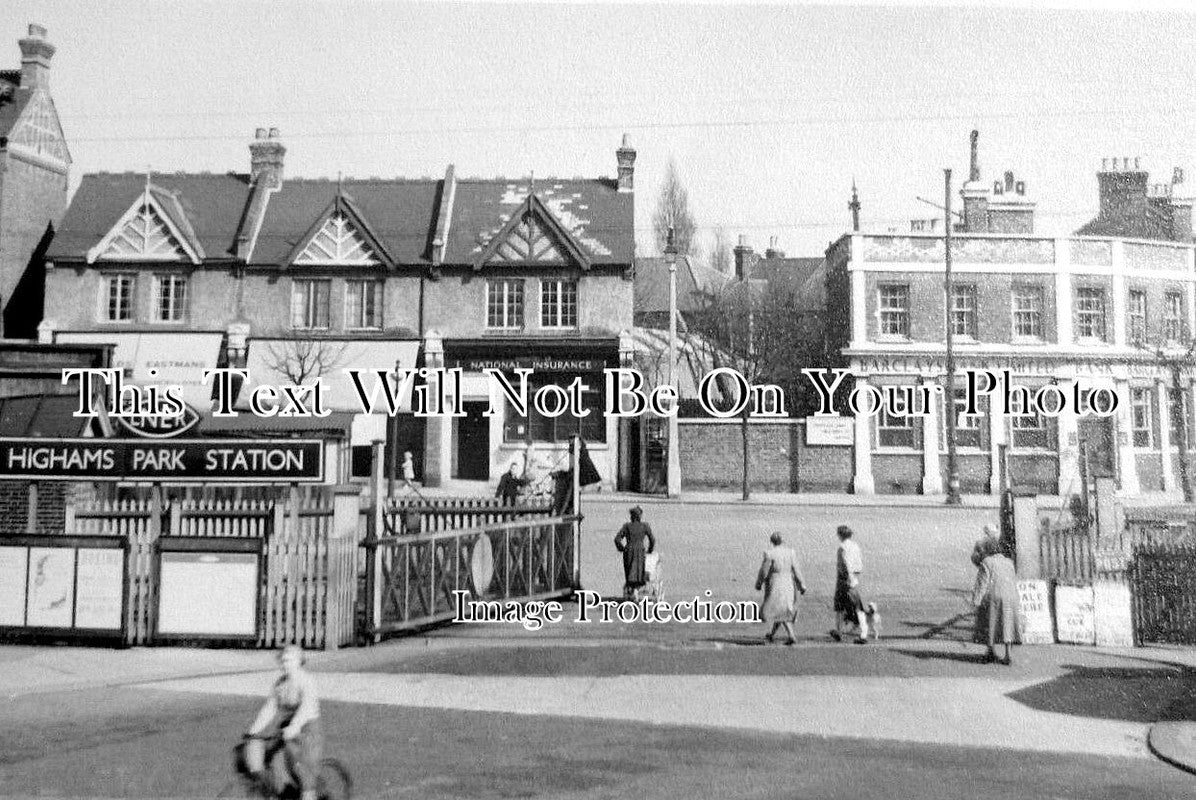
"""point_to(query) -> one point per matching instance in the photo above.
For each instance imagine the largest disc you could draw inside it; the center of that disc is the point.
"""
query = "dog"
(872, 613)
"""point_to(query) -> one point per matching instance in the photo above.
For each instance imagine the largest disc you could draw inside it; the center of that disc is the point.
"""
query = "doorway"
(473, 442)
(1096, 437)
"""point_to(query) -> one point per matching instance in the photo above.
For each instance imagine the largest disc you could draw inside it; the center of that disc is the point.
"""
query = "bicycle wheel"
(334, 782)
(240, 788)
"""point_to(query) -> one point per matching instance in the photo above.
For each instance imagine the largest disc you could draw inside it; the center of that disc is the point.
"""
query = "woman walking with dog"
(634, 540)
(780, 578)
(849, 605)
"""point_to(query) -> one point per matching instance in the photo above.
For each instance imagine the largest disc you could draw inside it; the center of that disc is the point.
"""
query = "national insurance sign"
(166, 461)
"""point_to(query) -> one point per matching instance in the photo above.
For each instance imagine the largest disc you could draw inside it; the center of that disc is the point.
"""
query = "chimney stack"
(626, 158)
(1123, 190)
(36, 53)
(266, 153)
(743, 257)
(773, 251)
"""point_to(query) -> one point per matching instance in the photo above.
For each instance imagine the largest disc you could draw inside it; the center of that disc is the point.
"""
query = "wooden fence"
(1163, 581)
(309, 574)
(411, 579)
(1066, 553)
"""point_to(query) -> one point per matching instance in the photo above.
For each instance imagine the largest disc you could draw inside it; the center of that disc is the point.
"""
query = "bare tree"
(722, 259)
(303, 360)
(672, 211)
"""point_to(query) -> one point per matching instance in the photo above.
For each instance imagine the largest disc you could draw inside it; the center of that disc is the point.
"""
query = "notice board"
(63, 585)
(209, 588)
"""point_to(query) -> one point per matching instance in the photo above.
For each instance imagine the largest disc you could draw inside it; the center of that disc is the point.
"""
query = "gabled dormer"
(154, 229)
(340, 237)
(532, 237)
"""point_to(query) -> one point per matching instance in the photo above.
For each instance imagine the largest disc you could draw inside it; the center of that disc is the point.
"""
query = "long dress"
(630, 541)
(780, 577)
(996, 601)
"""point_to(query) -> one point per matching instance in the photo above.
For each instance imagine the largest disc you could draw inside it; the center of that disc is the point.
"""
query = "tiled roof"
(694, 281)
(785, 273)
(402, 214)
(599, 217)
(41, 416)
(213, 205)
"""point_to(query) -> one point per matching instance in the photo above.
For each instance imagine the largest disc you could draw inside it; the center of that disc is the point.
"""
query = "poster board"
(1075, 616)
(209, 588)
(72, 586)
(830, 431)
(1034, 613)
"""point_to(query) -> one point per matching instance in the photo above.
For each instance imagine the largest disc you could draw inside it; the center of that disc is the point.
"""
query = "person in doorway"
(510, 484)
(291, 714)
(634, 540)
(996, 602)
(849, 605)
(780, 578)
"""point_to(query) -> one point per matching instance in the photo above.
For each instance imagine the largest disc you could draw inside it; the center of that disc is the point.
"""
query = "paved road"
(453, 718)
(917, 563)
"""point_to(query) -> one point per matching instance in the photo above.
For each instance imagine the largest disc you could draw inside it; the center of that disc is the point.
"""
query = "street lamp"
(673, 468)
(953, 498)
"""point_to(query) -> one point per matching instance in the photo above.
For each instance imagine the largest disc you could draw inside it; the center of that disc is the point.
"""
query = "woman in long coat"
(780, 578)
(634, 540)
(995, 598)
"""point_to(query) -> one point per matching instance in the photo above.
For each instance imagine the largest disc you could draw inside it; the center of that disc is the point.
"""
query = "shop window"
(118, 298)
(362, 304)
(1027, 312)
(539, 428)
(963, 311)
(309, 304)
(504, 304)
(1137, 311)
(170, 298)
(1142, 413)
(895, 431)
(363, 460)
(558, 304)
(1090, 313)
(894, 310)
(1031, 431)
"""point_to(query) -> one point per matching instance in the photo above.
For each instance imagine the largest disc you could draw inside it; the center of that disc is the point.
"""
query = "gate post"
(342, 543)
(1025, 534)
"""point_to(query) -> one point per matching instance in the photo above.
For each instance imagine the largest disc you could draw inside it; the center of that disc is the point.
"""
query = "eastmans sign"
(167, 461)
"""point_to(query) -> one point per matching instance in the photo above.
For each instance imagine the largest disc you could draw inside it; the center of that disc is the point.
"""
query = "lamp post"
(953, 498)
(673, 464)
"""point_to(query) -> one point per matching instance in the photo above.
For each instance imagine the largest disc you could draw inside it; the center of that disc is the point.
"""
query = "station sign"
(164, 461)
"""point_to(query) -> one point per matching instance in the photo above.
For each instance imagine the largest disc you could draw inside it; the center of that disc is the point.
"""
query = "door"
(1096, 437)
(655, 455)
(473, 442)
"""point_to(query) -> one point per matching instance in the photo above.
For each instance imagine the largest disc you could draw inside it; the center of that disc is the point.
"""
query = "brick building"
(295, 279)
(34, 169)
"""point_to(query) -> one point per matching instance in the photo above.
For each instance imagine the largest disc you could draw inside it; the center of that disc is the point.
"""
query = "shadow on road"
(1133, 695)
(957, 628)
(943, 655)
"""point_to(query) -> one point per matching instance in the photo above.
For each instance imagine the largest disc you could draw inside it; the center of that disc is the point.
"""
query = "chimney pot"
(274, 133)
(625, 157)
(1136, 163)
(260, 133)
(36, 53)
(1104, 165)
(1021, 187)
(36, 31)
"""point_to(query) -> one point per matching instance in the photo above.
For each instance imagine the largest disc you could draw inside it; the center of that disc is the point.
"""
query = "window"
(362, 304)
(894, 310)
(1031, 431)
(1137, 309)
(538, 428)
(171, 298)
(963, 310)
(1090, 313)
(1173, 319)
(309, 304)
(504, 304)
(1142, 416)
(895, 431)
(969, 429)
(118, 302)
(1027, 312)
(558, 304)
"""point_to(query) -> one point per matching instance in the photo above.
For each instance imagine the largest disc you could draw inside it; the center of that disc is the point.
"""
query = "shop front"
(480, 447)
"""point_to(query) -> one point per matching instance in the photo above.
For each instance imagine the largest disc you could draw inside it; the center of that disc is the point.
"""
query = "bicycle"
(277, 782)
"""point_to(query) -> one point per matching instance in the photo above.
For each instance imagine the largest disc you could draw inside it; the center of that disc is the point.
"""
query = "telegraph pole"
(953, 498)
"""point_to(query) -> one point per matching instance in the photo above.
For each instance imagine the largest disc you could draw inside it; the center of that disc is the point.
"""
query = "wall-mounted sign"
(540, 364)
(1075, 616)
(167, 460)
(1034, 609)
(830, 431)
(71, 585)
(209, 588)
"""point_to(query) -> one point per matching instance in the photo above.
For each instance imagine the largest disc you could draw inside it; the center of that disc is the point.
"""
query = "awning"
(177, 358)
(288, 361)
(44, 416)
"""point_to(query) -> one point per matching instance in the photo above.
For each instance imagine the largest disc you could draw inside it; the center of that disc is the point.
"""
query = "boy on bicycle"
(291, 714)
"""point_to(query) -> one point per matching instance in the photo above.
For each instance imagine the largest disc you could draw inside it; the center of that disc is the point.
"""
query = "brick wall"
(712, 458)
(52, 498)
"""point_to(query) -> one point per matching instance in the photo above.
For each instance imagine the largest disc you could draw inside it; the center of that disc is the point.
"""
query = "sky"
(768, 111)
